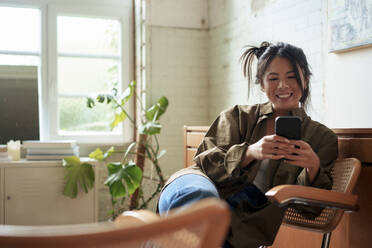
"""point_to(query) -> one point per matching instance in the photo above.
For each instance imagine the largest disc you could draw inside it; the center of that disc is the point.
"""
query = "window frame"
(121, 14)
(49, 9)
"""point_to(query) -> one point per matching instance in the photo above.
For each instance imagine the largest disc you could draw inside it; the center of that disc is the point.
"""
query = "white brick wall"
(179, 13)
(235, 23)
(178, 70)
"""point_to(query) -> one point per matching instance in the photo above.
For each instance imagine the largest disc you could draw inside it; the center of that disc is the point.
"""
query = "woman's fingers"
(274, 157)
(269, 147)
(276, 138)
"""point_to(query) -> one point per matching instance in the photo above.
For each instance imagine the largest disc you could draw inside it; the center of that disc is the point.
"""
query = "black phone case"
(288, 126)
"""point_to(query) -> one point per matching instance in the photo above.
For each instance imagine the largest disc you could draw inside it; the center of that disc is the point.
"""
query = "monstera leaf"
(150, 128)
(123, 179)
(77, 173)
(128, 93)
(156, 110)
(99, 155)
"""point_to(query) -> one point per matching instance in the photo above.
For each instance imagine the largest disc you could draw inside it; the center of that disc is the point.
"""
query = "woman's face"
(280, 85)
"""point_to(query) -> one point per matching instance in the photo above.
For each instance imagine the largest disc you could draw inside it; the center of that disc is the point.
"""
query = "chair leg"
(326, 240)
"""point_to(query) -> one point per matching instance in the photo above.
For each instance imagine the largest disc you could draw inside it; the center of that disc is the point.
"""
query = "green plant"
(124, 177)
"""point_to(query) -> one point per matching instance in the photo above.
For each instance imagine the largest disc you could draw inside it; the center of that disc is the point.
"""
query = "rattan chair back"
(345, 173)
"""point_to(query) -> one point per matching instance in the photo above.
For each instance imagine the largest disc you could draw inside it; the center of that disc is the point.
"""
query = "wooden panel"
(360, 222)
(189, 155)
(361, 148)
(289, 237)
(202, 129)
(353, 132)
(194, 138)
(344, 147)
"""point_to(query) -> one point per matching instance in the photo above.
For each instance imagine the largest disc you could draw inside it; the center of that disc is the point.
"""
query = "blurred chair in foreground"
(200, 225)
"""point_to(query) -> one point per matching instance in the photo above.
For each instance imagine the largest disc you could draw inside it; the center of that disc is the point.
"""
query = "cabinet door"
(33, 196)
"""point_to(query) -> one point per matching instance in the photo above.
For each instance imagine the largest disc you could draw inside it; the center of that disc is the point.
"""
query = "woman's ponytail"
(247, 59)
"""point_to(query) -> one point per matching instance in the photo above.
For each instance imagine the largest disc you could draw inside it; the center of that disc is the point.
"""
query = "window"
(81, 50)
(20, 36)
(88, 59)
(19, 63)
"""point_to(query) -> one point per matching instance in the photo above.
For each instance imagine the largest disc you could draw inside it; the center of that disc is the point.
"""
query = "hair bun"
(258, 51)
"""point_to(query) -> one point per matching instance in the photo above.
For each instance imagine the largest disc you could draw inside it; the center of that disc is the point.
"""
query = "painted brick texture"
(179, 70)
(234, 24)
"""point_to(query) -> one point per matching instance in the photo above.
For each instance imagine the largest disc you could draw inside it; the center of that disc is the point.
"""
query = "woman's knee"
(185, 190)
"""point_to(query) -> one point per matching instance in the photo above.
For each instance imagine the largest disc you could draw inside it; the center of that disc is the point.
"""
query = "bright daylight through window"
(88, 63)
(20, 36)
(19, 67)
(74, 51)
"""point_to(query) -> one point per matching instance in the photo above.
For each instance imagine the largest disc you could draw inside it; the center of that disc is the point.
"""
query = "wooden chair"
(202, 224)
(335, 202)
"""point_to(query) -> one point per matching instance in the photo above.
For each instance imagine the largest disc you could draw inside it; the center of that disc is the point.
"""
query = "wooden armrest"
(285, 194)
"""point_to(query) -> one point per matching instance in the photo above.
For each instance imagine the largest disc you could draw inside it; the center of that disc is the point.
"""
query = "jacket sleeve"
(327, 151)
(223, 147)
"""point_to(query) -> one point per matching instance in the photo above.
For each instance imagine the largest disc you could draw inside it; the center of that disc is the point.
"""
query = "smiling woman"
(240, 157)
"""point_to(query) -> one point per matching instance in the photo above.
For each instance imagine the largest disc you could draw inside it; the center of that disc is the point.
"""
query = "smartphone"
(288, 127)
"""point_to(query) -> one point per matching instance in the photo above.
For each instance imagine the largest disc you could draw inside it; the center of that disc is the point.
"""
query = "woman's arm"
(223, 147)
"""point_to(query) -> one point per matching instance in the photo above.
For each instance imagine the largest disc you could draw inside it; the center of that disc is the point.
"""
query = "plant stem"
(125, 112)
(140, 162)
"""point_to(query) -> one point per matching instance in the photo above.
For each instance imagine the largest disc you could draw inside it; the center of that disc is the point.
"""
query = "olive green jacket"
(223, 147)
(226, 142)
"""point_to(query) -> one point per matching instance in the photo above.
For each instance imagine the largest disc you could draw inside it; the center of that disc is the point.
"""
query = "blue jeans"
(184, 190)
(190, 188)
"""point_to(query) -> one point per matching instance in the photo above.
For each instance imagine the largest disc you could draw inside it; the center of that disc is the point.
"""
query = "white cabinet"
(31, 194)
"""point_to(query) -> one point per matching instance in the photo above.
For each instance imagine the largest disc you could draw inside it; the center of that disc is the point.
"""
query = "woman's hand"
(301, 154)
(296, 152)
(269, 147)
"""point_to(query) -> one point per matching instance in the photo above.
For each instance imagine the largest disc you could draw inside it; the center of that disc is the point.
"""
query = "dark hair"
(266, 53)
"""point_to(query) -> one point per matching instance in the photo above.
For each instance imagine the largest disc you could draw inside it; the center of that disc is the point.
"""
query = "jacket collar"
(267, 109)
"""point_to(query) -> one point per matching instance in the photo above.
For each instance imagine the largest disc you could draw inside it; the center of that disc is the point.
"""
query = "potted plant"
(125, 176)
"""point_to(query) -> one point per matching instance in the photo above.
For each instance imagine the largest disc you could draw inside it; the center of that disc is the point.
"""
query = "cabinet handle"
(8, 197)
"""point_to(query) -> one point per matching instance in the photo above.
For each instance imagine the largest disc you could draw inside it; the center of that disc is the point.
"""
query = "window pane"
(20, 29)
(88, 35)
(86, 75)
(19, 60)
(75, 116)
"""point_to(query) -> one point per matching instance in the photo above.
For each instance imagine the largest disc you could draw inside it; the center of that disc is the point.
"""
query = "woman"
(241, 158)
